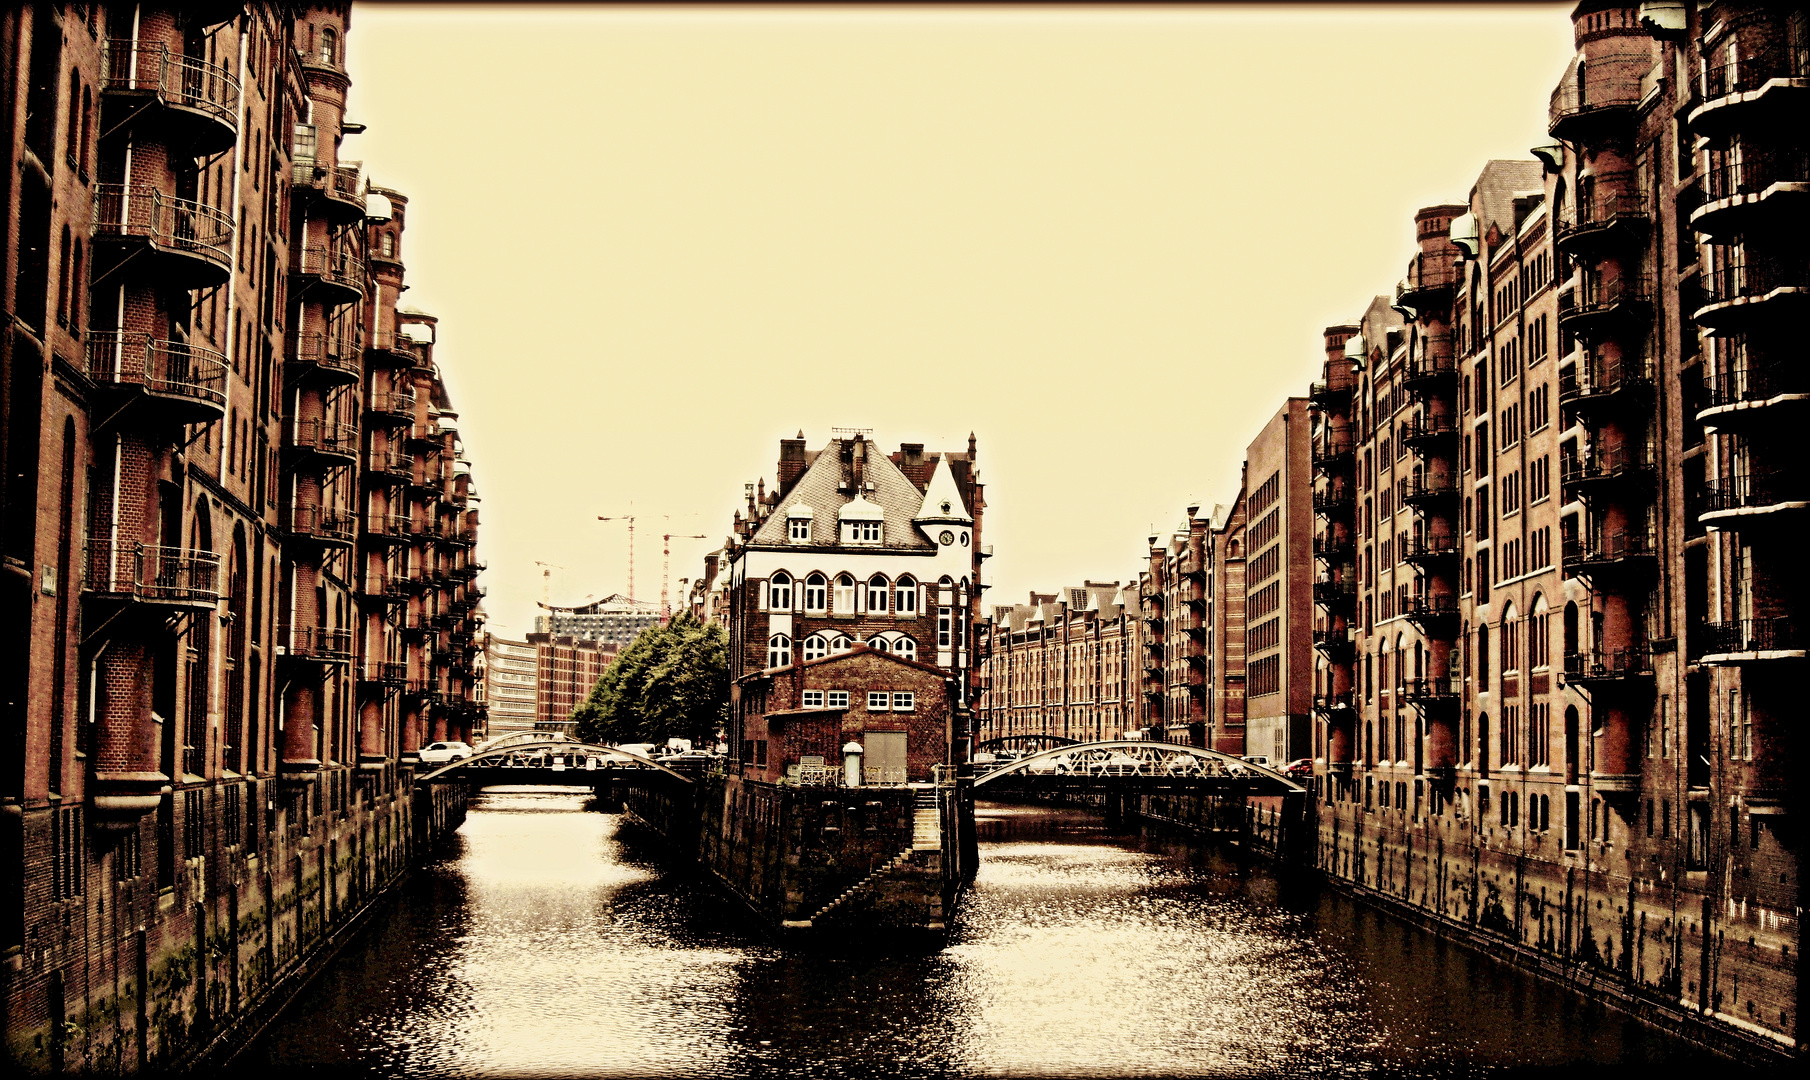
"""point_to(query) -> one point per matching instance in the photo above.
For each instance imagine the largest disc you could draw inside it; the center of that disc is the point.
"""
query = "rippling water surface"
(551, 940)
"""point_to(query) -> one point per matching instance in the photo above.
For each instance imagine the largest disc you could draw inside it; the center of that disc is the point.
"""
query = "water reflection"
(551, 940)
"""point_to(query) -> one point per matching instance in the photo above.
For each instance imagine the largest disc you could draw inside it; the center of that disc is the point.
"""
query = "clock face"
(947, 538)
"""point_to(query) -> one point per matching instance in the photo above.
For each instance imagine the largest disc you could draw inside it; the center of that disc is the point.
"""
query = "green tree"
(671, 681)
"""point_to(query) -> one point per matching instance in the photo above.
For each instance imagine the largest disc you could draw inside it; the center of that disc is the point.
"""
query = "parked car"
(1300, 769)
(441, 753)
(1258, 759)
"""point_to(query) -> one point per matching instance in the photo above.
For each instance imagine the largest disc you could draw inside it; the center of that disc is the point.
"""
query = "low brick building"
(898, 709)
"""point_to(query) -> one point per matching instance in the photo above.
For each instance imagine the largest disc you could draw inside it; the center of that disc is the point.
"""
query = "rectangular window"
(837, 699)
(877, 700)
(944, 639)
(904, 701)
(813, 699)
(798, 528)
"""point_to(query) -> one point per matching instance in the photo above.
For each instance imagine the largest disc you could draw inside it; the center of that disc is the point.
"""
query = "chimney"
(858, 462)
(791, 461)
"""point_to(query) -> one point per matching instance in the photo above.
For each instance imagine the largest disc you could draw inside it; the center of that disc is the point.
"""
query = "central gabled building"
(853, 546)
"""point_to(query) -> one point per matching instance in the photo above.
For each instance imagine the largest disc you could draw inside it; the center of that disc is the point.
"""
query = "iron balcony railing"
(1429, 690)
(1724, 75)
(396, 403)
(1423, 488)
(1430, 546)
(1744, 279)
(1427, 273)
(140, 211)
(1603, 85)
(326, 437)
(1600, 298)
(1751, 490)
(1628, 459)
(1604, 208)
(391, 341)
(391, 525)
(1751, 382)
(1429, 606)
(1328, 450)
(391, 462)
(1338, 702)
(1425, 428)
(1332, 545)
(388, 672)
(1754, 173)
(317, 643)
(1334, 592)
(1777, 633)
(152, 573)
(159, 365)
(1586, 380)
(128, 65)
(335, 265)
(1609, 664)
(334, 352)
(336, 181)
(1331, 498)
(324, 523)
(1611, 547)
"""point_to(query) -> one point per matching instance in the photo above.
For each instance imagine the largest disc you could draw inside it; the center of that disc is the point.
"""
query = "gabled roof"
(858, 649)
(893, 492)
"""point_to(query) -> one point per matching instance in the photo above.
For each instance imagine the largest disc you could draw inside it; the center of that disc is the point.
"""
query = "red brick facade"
(784, 726)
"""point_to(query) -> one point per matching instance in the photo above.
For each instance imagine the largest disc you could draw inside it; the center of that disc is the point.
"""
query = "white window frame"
(878, 701)
(798, 529)
(904, 701)
(905, 648)
(842, 597)
(779, 651)
(905, 598)
(881, 592)
(816, 596)
(836, 699)
(778, 600)
(814, 647)
(812, 699)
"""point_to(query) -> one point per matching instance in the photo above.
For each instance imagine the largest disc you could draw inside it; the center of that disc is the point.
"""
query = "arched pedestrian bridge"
(1124, 764)
(550, 762)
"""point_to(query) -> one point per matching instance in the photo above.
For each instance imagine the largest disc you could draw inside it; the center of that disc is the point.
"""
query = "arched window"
(779, 592)
(905, 647)
(1483, 744)
(814, 648)
(388, 245)
(1571, 645)
(87, 130)
(840, 644)
(905, 596)
(72, 145)
(876, 594)
(845, 595)
(816, 593)
(779, 651)
(1511, 640)
(879, 643)
(1539, 641)
(329, 46)
(1482, 657)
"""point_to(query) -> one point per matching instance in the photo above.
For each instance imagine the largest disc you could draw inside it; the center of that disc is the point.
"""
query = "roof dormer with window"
(862, 522)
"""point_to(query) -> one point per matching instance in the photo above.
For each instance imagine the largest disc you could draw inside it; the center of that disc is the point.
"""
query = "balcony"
(392, 349)
(1630, 556)
(1746, 292)
(1750, 394)
(334, 187)
(1330, 704)
(1328, 452)
(1586, 386)
(144, 83)
(1754, 499)
(1425, 434)
(1619, 471)
(321, 525)
(1425, 692)
(391, 528)
(324, 359)
(1605, 222)
(389, 674)
(330, 440)
(1335, 645)
(1436, 615)
(391, 466)
(1752, 640)
(1335, 594)
(1331, 393)
(334, 275)
(1601, 99)
(166, 576)
(1430, 550)
(1334, 545)
(391, 408)
(1432, 371)
(315, 643)
(1762, 91)
(1602, 309)
(177, 243)
(1332, 499)
(1424, 490)
(1610, 668)
(1759, 192)
(1429, 284)
(186, 384)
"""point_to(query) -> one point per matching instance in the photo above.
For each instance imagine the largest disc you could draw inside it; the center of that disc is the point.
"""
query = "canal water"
(553, 940)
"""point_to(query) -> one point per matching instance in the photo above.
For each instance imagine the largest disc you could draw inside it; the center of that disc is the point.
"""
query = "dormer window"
(798, 525)
(862, 522)
(861, 532)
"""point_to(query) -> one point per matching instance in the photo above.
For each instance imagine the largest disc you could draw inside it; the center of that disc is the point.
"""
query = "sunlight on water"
(551, 941)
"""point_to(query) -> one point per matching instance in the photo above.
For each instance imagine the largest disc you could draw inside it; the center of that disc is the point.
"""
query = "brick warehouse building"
(853, 546)
(238, 526)
(566, 669)
(1558, 713)
(1062, 664)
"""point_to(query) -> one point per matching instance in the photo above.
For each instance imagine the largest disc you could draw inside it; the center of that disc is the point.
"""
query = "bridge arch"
(567, 747)
(1128, 758)
(1024, 742)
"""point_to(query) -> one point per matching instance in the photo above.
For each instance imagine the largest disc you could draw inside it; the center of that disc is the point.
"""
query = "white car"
(441, 753)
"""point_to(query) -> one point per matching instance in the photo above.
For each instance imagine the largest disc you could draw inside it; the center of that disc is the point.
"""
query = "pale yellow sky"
(1105, 240)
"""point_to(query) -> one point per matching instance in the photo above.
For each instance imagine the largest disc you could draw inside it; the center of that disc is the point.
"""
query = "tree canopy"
(671, 681)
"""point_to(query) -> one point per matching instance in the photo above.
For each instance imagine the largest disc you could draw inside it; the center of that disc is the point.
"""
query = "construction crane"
(546, 581)
(665, 564)
(630, 518)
